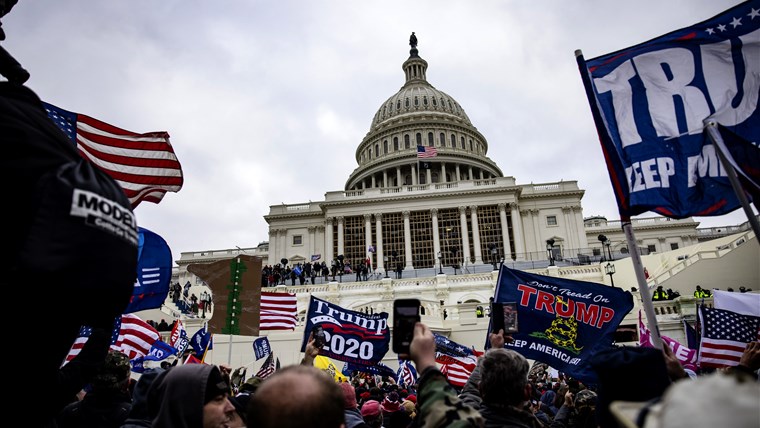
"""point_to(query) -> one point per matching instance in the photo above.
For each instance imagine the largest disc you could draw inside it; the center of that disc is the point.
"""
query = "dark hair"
(504, 374)
(297, 396)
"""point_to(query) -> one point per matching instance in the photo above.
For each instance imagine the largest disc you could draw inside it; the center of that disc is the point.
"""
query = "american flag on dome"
(278, 311)
(725, 335)
(426, 152)
(144, 165)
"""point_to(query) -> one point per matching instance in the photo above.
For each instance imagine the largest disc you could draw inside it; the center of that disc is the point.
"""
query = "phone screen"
(406, 313)
(504, 317)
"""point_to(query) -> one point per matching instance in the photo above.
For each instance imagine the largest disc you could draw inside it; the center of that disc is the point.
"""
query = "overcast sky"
(266, 101)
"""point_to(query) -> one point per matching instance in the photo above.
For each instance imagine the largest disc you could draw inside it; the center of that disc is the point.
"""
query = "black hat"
(215, 385)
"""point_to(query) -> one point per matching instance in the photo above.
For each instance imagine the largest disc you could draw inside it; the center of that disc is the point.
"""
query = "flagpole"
(720, 149)
(205, 351)
(646, 295)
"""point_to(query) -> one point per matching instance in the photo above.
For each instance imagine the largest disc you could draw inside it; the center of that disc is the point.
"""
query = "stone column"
(283, 244)
(540, 243)
(385, 178)
(506, 248)
(469, 173)
(517, 230)
(415, 179)
(329, 255)
(373, 181)
(340, 235)
(407, 242)
(443, 172)
(398, 176)
(567, 219)
(458, 177)
(475, 234)
(465, 236)
(312, 243)
(379, 233)
(436, 237)
(273, 246)
(429, 176)
(368, 238)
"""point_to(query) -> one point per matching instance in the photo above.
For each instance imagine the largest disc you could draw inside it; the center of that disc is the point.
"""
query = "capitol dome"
(420, 115)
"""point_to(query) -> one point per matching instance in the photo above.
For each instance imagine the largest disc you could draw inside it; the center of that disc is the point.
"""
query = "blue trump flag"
(379, 369)
(350, 336)
(201, 341)
(651, 103)
(261, 348)
(562, 322)
(154, 272)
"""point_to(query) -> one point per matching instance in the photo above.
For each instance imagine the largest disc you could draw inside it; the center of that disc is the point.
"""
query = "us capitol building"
(448, 220)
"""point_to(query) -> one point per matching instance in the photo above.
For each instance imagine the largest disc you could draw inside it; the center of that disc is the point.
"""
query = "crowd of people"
(308, 272)
(502, 391)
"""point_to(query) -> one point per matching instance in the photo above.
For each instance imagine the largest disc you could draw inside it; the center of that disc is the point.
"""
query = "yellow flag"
(325, 364)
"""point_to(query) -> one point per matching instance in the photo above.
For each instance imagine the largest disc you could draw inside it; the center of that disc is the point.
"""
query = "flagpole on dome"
(720, 149)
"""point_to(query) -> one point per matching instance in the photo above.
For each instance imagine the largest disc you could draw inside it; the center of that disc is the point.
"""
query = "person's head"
(699, 288)
(372, 413)
(504, 377)
(349, 395)
(113, 375)
(189, 393)
(297, 396)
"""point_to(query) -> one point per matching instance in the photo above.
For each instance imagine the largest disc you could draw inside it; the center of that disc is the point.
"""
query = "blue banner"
(651, 101)
(562, 322)
(261, 348)
(201, 341)
(154, 272)
(350, 336)
(447, 346)
(379, 369)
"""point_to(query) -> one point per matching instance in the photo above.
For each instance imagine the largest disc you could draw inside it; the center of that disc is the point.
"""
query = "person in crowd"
(351, 411)
(163, 326)
(138, 415)
(659, 294)
(190, 396)
(240, 415)
(297, 396)
(499, 387)
(438, 403)
(699, 293)
(108, 402)
(673, 294)
(578, 410)
(372, 414)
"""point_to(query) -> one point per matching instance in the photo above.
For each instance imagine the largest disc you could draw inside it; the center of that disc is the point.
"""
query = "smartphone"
(406, 313)
(504, 317)
(319, 336)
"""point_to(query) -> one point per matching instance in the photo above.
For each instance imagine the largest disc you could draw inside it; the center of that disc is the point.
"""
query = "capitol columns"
(272, 246)
(379, 248)
(517, 230)
(436, 237)
(340, 235)
(507, 249)
(329, 256)
(407, 241)
(475, 234)
(368, 238)
(465, 236)
(312, 242)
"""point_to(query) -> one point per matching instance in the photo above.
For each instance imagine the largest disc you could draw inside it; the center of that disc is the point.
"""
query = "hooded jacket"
(176, 397)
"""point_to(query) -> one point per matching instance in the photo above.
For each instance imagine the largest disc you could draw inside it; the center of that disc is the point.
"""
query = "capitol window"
(297, 239)
(551, 220)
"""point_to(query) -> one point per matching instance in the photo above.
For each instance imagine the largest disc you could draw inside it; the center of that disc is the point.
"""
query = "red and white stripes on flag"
(725, 335)
(144, 165)
(279, 311)
(82, 338)
(456, 369)
(267, 368)
(135, 336)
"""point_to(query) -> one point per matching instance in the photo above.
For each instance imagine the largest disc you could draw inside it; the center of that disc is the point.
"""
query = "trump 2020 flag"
(154, 272)
(651, 102)
(261, 348)
(350, 336)
(562, 322)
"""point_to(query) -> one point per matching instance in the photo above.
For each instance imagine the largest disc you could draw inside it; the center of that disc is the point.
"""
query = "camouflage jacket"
(439, 405)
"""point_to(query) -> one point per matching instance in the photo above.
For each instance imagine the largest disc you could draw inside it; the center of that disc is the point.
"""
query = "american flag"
(426, 152)
(278, 311)
(268, 368)
(725, 335)
(144, 165)
(133, 336)
(456, 369)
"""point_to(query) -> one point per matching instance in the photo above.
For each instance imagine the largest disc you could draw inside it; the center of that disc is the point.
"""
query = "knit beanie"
(215, 385)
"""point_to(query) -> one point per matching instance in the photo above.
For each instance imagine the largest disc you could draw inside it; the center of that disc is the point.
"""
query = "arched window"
(470, 145)
(395, 144)
(462, 141)
(385, 147)
(442, 139)
(377, 150)
(435, 103)
(406, 102)
(453, 141)
(424, 101)
(418, 139)
(398, 105)
(407, 143)
(431, 142)
(416, 101)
